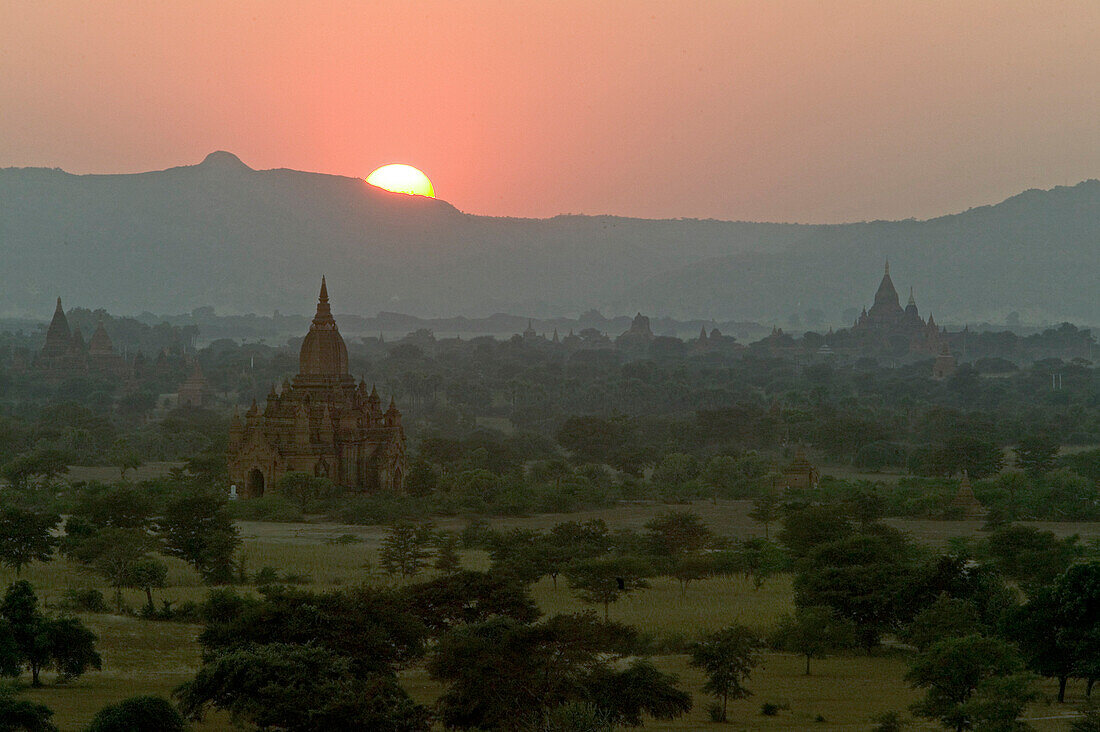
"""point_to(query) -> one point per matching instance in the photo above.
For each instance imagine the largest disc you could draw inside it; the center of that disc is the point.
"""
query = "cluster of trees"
(599, 564)
(308, 661)
(986, 618)
(119, 531)
(33, 642)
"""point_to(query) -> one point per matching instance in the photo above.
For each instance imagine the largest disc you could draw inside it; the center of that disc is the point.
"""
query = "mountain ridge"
(220, 233)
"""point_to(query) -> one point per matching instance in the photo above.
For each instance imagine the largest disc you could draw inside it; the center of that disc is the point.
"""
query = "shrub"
(266, 576)
(138, 713)
(87, 600)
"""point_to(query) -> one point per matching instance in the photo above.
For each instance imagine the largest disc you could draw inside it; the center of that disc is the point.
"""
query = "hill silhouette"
(220, 233)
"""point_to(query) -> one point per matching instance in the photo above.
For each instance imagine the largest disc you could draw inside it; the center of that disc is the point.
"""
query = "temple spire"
(887, 273)
(324, 312)
(912, 300)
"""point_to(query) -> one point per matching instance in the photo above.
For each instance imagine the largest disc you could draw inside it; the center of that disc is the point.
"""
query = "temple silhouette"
(887, 323)
(322, 423)
(66, 355)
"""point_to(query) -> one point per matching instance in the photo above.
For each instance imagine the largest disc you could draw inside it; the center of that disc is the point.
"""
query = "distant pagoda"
(967, 503)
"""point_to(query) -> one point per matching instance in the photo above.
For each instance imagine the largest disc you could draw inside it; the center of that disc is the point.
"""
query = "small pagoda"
(801, 473)
(967, 503)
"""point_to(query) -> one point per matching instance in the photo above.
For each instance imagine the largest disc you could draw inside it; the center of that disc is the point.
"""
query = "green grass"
(152, 657)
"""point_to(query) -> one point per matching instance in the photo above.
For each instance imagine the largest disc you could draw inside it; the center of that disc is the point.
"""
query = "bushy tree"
(299, 687)
(1036, 454)
(969, 680)
(813, 632)
(25, 537)
(197, 528)
(18, 715)
(727, 657)
(447, 560)
(371, 627)
(863, 578)
(1029, 555)
(43, 464)
(303, 488)
(766, 510)
(464, 598)
(138, 713)
(811, 526)
(62, 644)
(603, 580)
(678, 532)
(508, 675)
(406, 548)
(947, 617)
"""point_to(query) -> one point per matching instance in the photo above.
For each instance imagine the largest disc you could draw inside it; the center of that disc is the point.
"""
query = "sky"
(759, 110)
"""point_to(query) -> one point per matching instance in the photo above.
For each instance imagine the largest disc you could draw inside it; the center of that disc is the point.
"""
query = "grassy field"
(152, 657)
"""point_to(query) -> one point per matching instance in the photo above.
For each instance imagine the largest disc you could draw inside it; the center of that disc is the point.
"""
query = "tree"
(727, 657)
(465, 598)
(62, 644)
(862, 578)
(1029, 555)
(604, 580)
(45, 464)
(508, 675)
(405, 549)
(447, 560)
(1036, 455)
(956, 670)
(947, 617)
(304, 488)
(813, 632)
(678, 532)
(123, 507)
(69, 648)
(115, 554)
(138, 713)
(25, 537)
(766, 510)
(147, 574)
(685, 568)
(572, 541)
(197, 528)
(371, 627)
(808, 527)
(300, 687)
(125, 459)
(1058, 630)
(760, 559)
(23, 716)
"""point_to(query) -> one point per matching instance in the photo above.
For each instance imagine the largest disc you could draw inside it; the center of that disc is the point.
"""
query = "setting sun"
(401, 178)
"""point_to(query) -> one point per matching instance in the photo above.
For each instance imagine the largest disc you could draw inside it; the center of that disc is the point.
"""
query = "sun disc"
(401, 178)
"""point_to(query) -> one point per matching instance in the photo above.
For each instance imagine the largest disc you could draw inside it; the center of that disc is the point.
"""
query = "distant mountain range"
(243, 240)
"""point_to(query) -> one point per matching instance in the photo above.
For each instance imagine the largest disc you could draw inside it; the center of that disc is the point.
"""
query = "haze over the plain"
(759, 110)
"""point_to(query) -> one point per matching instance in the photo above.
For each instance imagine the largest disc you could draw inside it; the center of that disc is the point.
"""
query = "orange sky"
(762, 110)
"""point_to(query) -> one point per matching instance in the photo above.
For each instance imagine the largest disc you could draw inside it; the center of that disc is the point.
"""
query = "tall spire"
(886, 298)
(59, 339)
(324, 312)
(323, 353)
